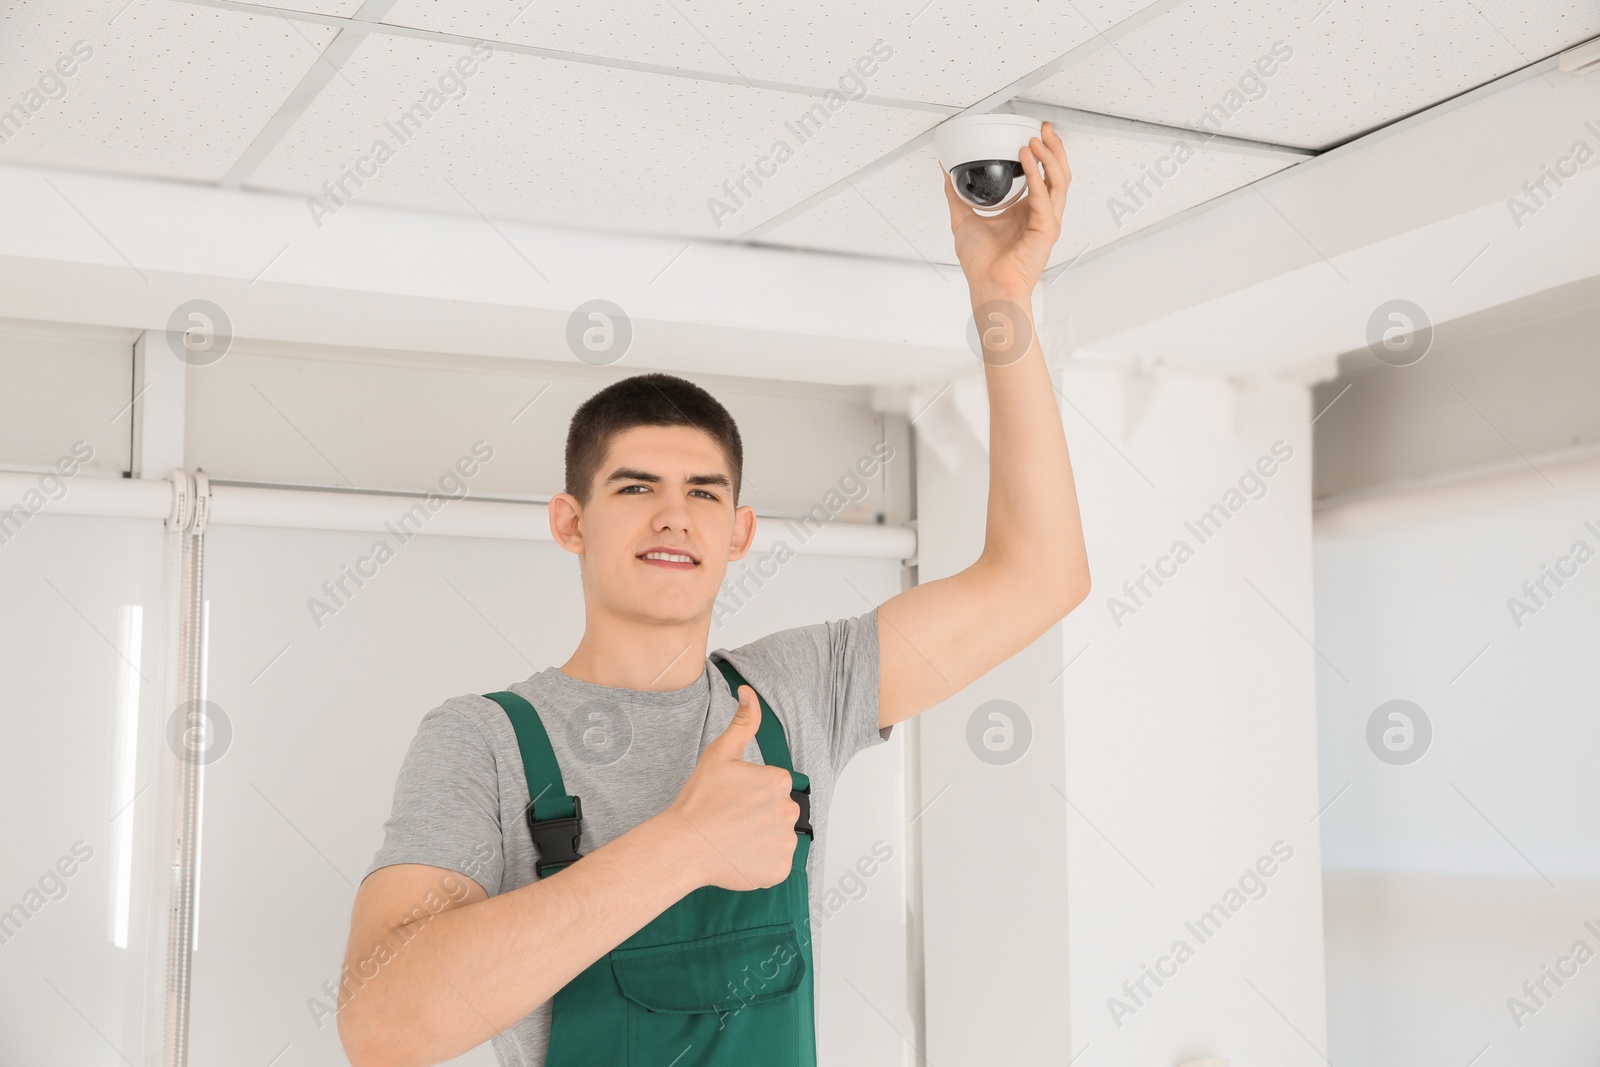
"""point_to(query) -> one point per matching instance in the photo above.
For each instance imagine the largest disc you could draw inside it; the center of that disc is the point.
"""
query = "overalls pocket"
(718, 1001)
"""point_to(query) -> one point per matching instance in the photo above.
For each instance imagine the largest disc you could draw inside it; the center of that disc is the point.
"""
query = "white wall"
(1173, 752)
(1486, 379)
(1455, 878)
(61, 384)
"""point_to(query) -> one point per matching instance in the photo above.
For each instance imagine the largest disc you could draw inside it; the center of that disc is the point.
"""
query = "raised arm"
(937, 638)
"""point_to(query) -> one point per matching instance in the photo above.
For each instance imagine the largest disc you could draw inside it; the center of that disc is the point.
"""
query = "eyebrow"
(633, 474)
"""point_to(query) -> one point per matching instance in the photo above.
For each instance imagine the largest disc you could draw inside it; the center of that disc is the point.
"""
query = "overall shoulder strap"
(769, 735)
(559, 821)
(773, 743)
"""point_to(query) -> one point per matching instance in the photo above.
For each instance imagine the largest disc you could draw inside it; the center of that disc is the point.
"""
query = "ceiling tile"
(156, 88)
(901, 211)
(342, 8)
(339, 8)
(1349, 68)
(1104, 14)
(640, 153)
(940, 51)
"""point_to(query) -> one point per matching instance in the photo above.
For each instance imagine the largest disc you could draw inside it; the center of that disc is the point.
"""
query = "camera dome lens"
(986, 182)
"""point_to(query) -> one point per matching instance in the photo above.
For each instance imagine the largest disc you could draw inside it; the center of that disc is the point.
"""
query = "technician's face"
(667, 486)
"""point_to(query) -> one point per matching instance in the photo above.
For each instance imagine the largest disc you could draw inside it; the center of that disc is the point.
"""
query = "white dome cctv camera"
(980, 154)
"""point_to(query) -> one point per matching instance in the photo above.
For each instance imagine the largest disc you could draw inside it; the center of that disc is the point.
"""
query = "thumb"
(736, 738)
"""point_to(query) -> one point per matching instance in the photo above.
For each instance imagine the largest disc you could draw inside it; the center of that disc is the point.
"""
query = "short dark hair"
(653, 399)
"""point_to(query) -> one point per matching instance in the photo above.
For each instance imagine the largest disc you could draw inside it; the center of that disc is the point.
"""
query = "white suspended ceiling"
(629, 151)
(943, 53)
(169, 90)
(629, 117)
(1331, 70)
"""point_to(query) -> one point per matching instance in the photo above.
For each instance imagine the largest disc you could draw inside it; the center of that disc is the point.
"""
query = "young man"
(680, 936)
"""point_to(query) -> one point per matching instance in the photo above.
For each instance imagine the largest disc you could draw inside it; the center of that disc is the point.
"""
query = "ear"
(566, 516)
(744, 532)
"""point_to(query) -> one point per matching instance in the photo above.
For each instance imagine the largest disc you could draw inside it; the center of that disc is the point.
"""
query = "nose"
(673, 514)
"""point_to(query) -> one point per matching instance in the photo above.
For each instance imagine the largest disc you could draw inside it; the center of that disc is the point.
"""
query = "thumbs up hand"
(739, 817)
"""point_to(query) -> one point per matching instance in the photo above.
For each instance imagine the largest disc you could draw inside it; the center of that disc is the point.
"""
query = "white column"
(158, 380)
(1172, 763)
(1191, 724)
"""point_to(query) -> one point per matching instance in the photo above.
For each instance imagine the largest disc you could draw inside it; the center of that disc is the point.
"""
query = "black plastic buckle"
(557, 839)
(802, 797)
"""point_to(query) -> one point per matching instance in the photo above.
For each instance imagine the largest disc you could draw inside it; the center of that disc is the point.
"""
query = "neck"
(641, 655)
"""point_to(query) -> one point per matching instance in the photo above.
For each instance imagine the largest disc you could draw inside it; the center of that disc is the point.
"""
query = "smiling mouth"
(682, 562)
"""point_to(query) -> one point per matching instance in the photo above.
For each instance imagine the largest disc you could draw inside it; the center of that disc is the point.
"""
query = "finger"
(746, 719)
(1056, 166)
(1054, 158)
(1048, 200)
(1039, 204)
(960, 210)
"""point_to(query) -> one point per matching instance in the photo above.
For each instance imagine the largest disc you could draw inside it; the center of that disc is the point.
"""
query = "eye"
(706, 492)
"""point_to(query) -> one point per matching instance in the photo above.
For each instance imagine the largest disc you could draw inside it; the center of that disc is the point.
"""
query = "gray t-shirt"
(461, 793)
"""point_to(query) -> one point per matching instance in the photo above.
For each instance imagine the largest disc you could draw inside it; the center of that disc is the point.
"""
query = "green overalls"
(722, 978)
